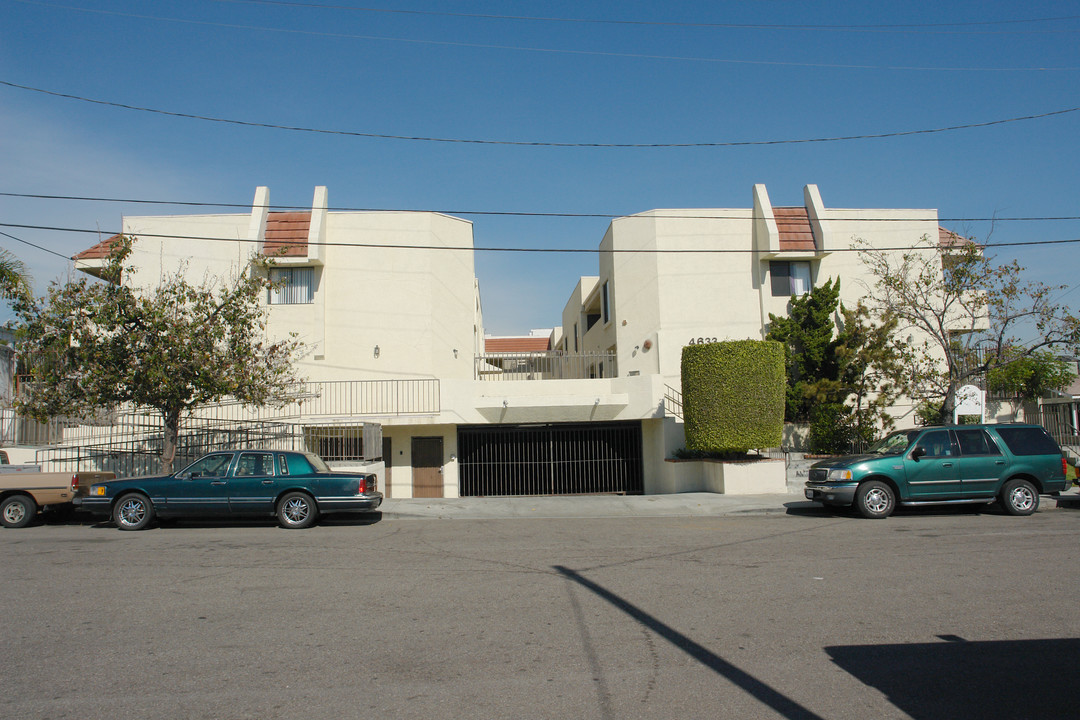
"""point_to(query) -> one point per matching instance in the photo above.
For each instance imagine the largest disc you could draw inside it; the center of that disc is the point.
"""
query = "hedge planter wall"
(733, 395)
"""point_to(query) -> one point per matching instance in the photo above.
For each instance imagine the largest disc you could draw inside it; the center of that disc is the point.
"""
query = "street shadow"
(67, 517)
(345, 519)
(816, 509)
(809, 508)
(356, 518)
(780, 703)
(991, 680)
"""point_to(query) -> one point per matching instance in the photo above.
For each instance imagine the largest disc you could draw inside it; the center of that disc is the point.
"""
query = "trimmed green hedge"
(733, 395)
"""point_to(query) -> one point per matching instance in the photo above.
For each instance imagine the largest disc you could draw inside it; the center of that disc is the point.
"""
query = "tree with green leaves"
(871, 371)
(844, 370)
(15, 281)
(1031, 376)
(963, 315)
(807, 334)
(95, 345)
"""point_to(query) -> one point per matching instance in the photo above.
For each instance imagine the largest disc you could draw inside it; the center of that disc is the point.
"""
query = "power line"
(471, 248)
(39, 247)
(897, 27)
(383, 136)
(550, 51)
(509, 213)
(982, 27)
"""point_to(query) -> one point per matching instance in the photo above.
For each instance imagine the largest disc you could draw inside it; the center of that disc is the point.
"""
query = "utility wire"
(383, 136)
(471, 248)
(557, 51)
(882, 27)
(39, 247)
(607, 216)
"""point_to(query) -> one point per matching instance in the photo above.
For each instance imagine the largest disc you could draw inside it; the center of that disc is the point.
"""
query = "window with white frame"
(292, 286)
(789, 278)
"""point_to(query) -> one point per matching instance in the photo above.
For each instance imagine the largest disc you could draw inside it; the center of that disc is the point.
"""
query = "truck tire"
(17, 511)
(875, 500)
(1019, 497)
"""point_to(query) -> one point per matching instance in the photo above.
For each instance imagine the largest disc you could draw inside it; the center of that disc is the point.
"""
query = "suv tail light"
(74, 484)
(1064, 467)
(363, 486)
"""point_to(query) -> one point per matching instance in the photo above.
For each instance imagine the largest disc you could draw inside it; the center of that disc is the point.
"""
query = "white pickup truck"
(25, 490)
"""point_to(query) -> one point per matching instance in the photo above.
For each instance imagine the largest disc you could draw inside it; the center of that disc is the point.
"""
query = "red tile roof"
(99, 251)
(947, 238)
(795, 230)
(517, 344)
(287, 234)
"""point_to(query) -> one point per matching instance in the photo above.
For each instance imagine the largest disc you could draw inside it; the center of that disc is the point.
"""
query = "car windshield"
(894, 444)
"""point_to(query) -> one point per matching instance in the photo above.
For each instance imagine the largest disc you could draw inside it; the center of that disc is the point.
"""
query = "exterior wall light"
(376, 351)
(647, 344)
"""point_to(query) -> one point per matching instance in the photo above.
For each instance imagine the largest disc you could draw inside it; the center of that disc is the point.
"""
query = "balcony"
(552, 365)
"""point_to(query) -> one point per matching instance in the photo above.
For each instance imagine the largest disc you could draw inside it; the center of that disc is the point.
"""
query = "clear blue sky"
(675, 72)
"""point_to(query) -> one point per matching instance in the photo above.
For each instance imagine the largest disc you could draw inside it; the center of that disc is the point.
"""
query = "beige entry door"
(427, 462)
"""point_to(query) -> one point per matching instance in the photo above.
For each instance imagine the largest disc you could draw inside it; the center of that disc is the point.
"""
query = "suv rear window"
(1028, 441)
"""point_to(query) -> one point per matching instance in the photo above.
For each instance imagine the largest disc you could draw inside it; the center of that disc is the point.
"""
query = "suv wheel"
(875, 500)
(1019, 497)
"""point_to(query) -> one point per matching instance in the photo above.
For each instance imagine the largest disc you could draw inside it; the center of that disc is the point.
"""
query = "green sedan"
(295, 487)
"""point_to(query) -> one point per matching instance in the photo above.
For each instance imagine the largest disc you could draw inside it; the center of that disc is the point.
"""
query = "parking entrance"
(560, 459)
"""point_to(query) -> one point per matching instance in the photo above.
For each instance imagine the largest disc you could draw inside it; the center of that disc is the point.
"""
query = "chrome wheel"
(297, 510)
(877, 501)
(14, 513)
(874, 499)
(1020, 497)
(133, 512)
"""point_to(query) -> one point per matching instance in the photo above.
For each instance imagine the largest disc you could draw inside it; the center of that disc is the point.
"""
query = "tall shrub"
(733, 395)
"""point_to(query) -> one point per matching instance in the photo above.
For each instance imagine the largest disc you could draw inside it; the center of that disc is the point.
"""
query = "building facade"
(388, 306)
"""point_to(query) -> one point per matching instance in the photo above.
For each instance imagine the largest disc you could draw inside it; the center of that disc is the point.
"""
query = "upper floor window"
(605, 303)
(292, 286)
(789, 278)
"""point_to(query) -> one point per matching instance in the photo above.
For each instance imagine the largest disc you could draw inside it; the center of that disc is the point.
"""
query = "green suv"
(1011, 462)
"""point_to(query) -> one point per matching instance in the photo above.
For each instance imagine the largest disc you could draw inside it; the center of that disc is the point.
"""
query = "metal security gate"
(563, 459)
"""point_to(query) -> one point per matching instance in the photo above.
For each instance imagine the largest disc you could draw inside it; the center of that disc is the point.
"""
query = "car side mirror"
(918, 453)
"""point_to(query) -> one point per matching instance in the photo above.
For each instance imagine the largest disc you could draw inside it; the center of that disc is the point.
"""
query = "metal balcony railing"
(673, 402)
(544, 366)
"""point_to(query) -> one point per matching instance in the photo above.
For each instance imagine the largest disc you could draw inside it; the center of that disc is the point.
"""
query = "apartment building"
(389, 308)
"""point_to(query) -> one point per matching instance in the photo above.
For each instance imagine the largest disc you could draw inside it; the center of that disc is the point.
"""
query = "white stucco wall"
(670, 298)
(377, 285)
(417, 306)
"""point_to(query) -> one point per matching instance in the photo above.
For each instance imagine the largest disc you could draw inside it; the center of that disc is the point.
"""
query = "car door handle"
(999, 462)
(946, 464)
(267, 482)
(217, 482)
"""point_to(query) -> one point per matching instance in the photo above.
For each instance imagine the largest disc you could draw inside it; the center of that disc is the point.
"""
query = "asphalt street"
(957, 612)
